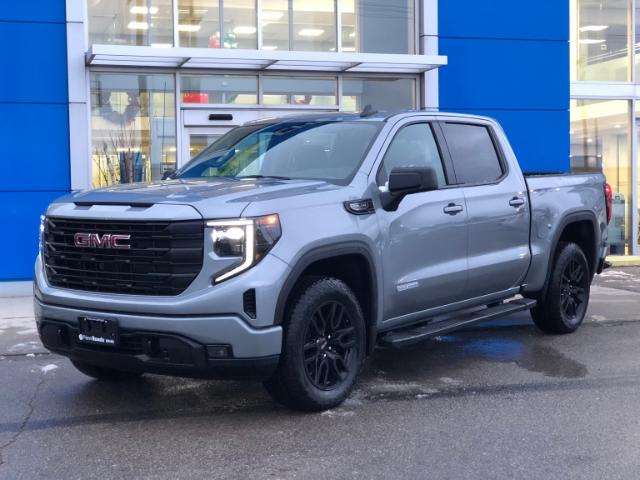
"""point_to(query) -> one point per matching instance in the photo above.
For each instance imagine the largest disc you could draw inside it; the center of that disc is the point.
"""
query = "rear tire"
(103, 373)
(562, 306)
(323, 346)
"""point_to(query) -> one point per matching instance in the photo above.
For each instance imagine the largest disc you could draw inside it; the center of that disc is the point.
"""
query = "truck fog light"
(219, 351)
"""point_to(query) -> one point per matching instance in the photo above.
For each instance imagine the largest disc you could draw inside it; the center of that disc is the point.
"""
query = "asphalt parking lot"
(496, 401)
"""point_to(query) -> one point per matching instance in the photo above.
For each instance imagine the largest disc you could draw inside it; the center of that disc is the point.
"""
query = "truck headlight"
(41, 238)
(250, 239)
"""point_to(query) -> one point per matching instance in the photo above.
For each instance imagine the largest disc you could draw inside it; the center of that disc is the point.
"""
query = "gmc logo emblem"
(95, 240)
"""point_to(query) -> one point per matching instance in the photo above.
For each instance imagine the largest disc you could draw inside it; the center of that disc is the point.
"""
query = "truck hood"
(213, 198)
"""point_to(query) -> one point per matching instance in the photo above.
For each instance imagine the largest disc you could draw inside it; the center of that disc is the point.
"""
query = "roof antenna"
(368, 111)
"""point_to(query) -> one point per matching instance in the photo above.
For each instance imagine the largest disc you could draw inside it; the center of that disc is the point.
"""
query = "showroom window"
(383, 93)
(131, 22)
(600, 40)
(363, 20)
(299, 90)
(371, 26)
(133, 127)
(220, 89)
(600, 134)
(217, 24)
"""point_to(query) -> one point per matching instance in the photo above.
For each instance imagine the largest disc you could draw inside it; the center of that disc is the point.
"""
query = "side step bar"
(415, 334)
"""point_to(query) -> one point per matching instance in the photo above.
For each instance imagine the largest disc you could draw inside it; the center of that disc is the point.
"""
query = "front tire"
(323, 346)
(563, 305)
(103, 373)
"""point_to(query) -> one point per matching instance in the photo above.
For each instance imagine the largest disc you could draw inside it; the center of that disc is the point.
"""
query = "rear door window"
(473, 153)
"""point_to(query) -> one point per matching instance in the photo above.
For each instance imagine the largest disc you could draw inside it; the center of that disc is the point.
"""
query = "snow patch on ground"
(21, 323)
(450, 381)
(616, 274)
(48, 368)
(32, 345)
(337, 413)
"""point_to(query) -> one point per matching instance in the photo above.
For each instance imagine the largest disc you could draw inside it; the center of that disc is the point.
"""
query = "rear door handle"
(452, 209)
(516, 202)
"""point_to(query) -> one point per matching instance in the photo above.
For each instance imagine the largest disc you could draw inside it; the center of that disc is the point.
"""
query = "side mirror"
(168, 174)
(405, 181)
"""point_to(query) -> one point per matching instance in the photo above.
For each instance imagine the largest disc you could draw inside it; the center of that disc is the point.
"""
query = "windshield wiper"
(277, 177)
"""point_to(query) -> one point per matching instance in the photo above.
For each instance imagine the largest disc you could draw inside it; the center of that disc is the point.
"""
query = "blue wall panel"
(35, 58)
(33, 11)
(541, 19)
(510, 60)
(540, 138)
(504, 74)
(36, 147)
(21, 211)
(34, 125)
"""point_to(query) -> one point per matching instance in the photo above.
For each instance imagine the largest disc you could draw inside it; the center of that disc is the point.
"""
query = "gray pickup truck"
(289, 248)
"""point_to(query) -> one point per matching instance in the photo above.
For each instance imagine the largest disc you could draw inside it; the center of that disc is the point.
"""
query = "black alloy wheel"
(562, 305)
(573, 291)
(329, 346)
(323, 346)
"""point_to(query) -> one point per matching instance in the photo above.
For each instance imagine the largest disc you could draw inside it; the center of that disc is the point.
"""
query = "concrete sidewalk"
(18, 334)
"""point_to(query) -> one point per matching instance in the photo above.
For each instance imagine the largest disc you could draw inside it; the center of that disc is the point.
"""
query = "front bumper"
(170, 345)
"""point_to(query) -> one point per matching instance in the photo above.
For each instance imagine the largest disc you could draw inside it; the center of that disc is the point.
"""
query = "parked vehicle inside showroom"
(289, 248)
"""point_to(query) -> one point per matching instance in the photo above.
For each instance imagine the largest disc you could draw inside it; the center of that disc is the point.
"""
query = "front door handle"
(452, 209)
(516, 202)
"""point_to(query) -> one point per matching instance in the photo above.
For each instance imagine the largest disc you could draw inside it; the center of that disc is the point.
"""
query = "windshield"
(330, 151)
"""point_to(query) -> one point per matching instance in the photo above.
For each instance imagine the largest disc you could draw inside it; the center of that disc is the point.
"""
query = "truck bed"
(554, 199)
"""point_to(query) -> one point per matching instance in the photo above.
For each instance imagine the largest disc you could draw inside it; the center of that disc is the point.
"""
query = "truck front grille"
(163, 258)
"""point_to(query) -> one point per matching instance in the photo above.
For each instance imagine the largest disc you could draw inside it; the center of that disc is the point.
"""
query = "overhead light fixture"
(591, 41)
(352, 35)
(138, 26)
(269, 47)
(348, 49)
(594, 28)
(618, 126)
(271, 15)
(311, 32)
(244, 30)
(141, 10)
(188, 28)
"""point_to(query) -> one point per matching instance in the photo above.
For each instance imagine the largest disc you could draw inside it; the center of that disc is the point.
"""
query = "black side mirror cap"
(405, 181)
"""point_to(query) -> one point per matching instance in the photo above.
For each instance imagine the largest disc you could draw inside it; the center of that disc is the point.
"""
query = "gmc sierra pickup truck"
(289, 248)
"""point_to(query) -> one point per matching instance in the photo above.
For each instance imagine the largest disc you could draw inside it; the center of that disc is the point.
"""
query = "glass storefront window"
(199, 23)
(314, 25)
(240, 23)
(299, 91)
(371, 26)
(363, 20)
(275, 24)
(133, 127)
(600, 41)
(600, 134)
(381, 93)
(220, 89)
(131, 22)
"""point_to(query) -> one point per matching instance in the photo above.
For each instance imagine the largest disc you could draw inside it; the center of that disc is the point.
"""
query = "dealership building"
(91, 85)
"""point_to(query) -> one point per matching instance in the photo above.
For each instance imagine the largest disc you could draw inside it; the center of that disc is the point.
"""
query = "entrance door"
(196, 139)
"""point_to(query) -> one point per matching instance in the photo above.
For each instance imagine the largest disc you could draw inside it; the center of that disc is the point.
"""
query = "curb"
(624, 261)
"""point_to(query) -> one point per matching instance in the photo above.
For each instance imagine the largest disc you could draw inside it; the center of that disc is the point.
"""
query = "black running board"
(411, 335)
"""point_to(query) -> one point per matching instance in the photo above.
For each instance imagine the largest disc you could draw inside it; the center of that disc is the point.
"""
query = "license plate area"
(98, 331)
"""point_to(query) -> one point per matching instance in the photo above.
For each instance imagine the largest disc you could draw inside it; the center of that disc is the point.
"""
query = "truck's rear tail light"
(608, 197)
